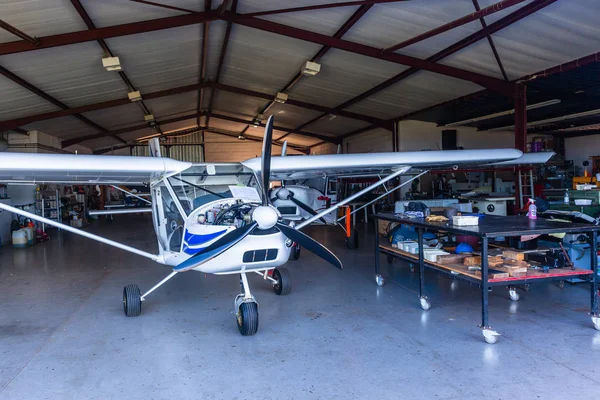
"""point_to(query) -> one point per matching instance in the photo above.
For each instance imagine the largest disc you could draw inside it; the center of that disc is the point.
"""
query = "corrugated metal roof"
(265, 62)
(39, 18)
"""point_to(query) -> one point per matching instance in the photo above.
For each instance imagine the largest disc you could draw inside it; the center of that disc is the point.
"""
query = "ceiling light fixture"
(310, 68)
(111, 63)
(502, 113)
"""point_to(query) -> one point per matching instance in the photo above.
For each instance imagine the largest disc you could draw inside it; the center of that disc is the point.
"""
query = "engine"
(226, 212)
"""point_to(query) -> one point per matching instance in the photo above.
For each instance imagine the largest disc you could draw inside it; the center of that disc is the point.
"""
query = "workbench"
(490, 227)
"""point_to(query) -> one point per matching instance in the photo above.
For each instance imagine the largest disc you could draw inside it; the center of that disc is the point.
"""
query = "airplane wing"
(306, 167)
(85, 169)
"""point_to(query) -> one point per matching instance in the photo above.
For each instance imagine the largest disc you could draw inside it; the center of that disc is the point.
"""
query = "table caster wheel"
(514, 296)
(132, 301)
(596, 321)
(412, 267)
(425, 304)
(526, 287)
(561, 284)
(379, 280)
(490, 336)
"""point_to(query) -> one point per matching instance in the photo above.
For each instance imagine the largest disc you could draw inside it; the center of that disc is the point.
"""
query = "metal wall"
(191, 150)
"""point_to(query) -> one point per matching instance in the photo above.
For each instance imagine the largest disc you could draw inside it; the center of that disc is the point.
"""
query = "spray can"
(566, 199)
(532, 214)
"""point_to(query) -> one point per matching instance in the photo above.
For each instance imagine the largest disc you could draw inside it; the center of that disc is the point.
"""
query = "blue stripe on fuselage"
(194, 240)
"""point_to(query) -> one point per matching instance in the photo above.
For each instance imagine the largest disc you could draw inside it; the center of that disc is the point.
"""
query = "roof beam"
(90, 24)
(491, 43)
(279, 128)
(161, 5)
(39, 92)
(203, 60)
(320, 7)
(369, 51)
(502, 23)
(8, 27)
(71, 142)
(107, 32)
(10, 124)
(358, 14)
(213, 92)
(456, 23)
(114, 133)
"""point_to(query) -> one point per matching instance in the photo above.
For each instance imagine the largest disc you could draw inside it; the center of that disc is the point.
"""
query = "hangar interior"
(199, 80)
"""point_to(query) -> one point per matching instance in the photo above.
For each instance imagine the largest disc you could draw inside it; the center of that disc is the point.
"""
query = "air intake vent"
(259, 255)
(287, 210)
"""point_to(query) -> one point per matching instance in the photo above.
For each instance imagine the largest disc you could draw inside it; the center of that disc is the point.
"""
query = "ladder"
(525, 187)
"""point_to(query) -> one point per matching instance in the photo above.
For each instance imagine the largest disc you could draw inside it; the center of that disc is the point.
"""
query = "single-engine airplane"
(218, 218)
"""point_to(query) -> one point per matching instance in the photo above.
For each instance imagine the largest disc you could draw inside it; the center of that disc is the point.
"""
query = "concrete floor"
(63, 334)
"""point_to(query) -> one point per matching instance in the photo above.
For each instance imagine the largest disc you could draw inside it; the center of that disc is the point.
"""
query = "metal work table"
(490, 226)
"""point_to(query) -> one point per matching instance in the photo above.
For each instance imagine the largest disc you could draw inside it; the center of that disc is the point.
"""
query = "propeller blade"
(305, 207)
(310, 244)
(265, 168)
(223, 244)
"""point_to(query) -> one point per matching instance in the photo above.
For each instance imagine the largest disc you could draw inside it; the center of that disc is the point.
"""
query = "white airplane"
(218, 218)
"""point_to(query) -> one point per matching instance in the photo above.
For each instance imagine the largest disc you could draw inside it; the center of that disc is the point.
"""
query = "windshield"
(201, 184)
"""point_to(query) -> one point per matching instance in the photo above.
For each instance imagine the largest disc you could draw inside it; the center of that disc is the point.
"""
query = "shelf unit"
(48, 205)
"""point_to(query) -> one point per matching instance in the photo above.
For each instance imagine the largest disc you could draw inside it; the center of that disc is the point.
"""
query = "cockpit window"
(201, 184)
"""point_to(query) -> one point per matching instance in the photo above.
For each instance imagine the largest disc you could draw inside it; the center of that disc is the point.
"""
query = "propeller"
(264, 217)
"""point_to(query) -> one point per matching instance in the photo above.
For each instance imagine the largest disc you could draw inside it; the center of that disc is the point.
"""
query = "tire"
(352, 241)
(283, 277)
(295, 252)
(247, 318)
(132, 301)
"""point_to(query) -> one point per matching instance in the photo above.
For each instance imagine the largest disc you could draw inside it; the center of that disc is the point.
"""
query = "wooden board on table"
(514, 255)
(446, 259)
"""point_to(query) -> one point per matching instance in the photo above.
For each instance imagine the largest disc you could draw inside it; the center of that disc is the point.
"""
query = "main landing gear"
(246, 307)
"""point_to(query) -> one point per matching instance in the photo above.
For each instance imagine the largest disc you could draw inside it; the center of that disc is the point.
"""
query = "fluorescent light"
(503, 113)
(551, 120)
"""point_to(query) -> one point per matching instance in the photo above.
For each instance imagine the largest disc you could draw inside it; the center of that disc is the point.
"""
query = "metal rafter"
(320, 7)
(356, 16)
(39, 92)
(213, 92)
(499, 85)
(70, 142)
(161, 5)
(491, 42)
(19, 33)
(203, 60)
(456, 23)
(90, 24)
(502, 23)
(580, 62)
(10, 124)
(107, 32)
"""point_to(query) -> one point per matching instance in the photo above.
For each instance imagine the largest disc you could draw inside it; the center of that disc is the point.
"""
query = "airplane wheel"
(284, 281)
(247, 318)
(295, 252)
(132, 301)
(352, 241)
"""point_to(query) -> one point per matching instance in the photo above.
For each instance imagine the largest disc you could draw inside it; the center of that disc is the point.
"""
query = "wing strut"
(80, 232)
(401, 170)
(385, 194)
